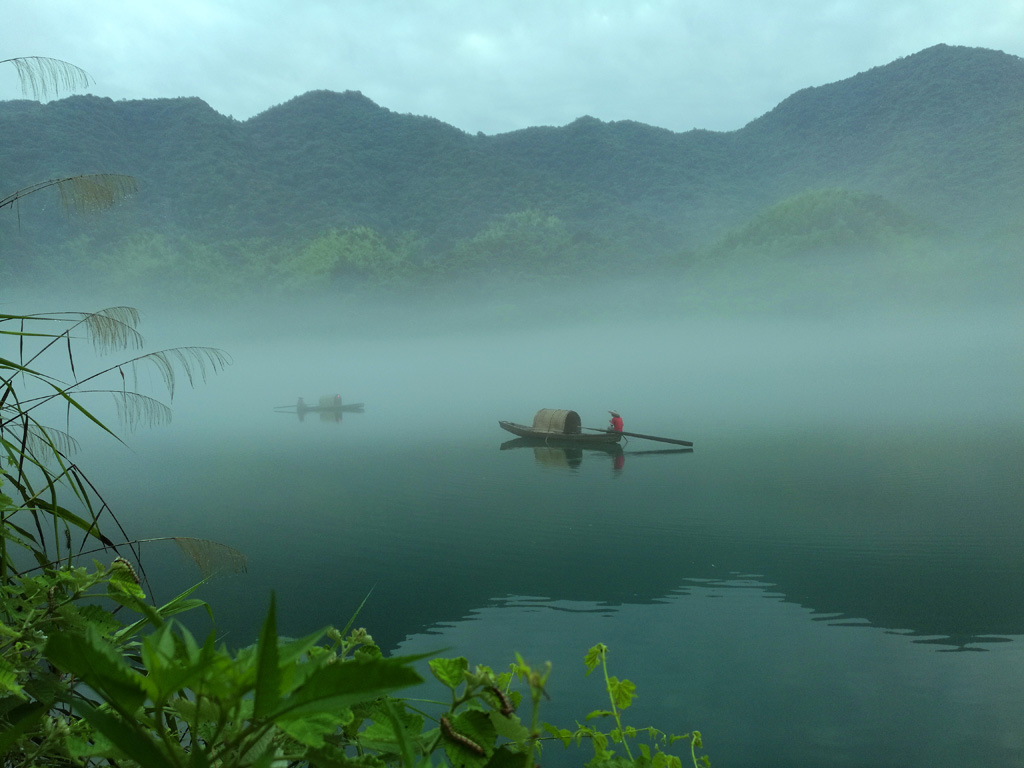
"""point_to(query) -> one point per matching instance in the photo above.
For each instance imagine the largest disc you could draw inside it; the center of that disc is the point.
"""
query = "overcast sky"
(496, 65)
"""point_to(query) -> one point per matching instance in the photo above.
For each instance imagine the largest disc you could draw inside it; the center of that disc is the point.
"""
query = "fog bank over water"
(845, 342)
(811, 287)
(668, 356)
(847, 356)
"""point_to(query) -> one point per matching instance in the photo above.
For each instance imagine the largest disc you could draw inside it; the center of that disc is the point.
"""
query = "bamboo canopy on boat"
(562, 421)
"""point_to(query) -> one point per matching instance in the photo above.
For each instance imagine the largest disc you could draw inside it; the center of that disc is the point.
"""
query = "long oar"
(659, 452)
(645, 437)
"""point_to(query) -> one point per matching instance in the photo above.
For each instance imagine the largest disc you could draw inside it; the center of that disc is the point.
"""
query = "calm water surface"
(833, 576)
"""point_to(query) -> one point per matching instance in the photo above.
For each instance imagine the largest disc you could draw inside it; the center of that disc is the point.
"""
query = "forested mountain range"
(331, 187)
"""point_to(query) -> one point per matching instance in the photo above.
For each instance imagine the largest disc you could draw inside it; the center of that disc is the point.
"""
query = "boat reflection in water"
(566, 454)
(329, 408)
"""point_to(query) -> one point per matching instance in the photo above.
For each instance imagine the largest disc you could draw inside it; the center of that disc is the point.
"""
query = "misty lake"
(834, 575)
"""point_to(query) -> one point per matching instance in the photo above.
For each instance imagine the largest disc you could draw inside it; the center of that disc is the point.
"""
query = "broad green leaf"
(9, 679)
(18, 721)
(462, 756)
(95, 744)
(133, 741)
(331, 756)
(122, 576)
(46, 686)
(337, 686)
(451, 672)
(189, 711)
(404, 745)
(99, 617)
(174, 606)
(394, 729)
(621, 691)
(562, 734)
(594, 656)
(133, 603)
(268, 674)
(310, 730)
(291, 650)
(504, 757)
(123, 588)
(172, 662)
(255, 753)
(294, 674)
(158, 650)
(99, 665)
(600, 742)
(510, 728)
(477, 725)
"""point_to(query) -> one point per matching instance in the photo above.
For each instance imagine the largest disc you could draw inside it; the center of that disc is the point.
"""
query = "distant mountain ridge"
(939, 133)
(932, 128)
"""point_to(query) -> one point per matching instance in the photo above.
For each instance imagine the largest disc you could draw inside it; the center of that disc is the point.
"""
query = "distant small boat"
(329, 403)
(559, 426)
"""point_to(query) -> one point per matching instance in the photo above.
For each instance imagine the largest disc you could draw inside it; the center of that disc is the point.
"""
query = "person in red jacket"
(615, 423)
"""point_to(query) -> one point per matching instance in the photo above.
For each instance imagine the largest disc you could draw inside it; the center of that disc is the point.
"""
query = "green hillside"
(331, 189)
(825, 223)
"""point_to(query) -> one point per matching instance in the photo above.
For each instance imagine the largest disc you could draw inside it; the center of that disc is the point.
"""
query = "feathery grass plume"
(211, 557)
(83, 193)
(43, 442)
(38, 74)
(194, 362)
(36, 469)
(134, 409)
(95, 191)
(113, 328)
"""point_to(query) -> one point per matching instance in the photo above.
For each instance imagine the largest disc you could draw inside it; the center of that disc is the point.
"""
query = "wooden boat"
(329, 403)
(559, 426)
(564, 438)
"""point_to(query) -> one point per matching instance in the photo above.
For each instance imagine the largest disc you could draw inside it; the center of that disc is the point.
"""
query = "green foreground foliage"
(81, 689)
